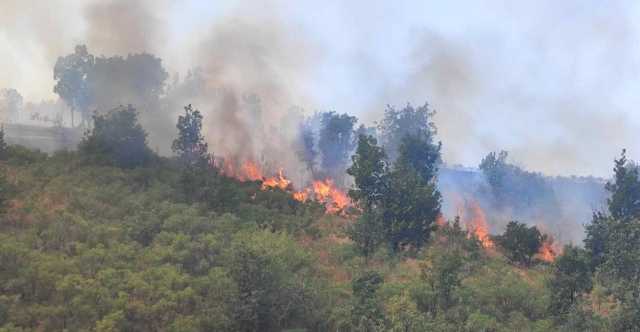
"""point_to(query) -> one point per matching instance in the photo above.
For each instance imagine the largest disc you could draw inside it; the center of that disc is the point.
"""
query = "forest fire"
(476, 222)
(334, 198)
(324, 191)
(278, 181)
(548, 252)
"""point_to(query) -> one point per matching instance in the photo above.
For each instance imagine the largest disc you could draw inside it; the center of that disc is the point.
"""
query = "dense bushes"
(117, 139)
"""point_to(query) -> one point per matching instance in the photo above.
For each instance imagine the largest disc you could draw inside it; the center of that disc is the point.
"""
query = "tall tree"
(190, 146)
(370, 173)
(624, 202)
(4, 147)
(408, 121)
(11, 103)
(613, 243)
(199, 178)
(71, 73)
(307, 147)
(137, 79)
(412, 202)
(336, 142)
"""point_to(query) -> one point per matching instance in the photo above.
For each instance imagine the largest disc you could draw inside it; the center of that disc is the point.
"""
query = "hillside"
(87, 245)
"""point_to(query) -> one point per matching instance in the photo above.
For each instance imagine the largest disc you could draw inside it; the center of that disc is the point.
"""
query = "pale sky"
(553, 82)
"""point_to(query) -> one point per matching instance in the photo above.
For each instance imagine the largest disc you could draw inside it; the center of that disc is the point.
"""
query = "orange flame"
(334, 198)
(476, 223)
(548, 252)
(251, 171)
(480, 227)
(278, 181)
(301, 196)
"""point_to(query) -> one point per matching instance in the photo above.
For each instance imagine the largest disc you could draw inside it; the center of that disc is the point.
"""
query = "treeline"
(116, 238)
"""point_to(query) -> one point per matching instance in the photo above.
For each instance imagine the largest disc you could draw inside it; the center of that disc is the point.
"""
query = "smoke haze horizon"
(551, 83)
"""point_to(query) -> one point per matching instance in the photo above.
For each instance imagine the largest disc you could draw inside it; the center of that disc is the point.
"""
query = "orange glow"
(440, 220)
(278, 181)
(548, 252)
(247, 171)
(326, 192)
(251, 171)
(301, 196)
(480, 227)
(476, 222)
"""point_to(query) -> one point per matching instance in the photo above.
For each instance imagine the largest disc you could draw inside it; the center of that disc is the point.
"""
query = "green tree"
(443, 275)
(117, 139)
(520, 242)
(367, 314)
(71, 74)
(408, 121)
(11, 103)
(199, 178)
(412, 202)
(190, 145)
(495, 168)
(571, 277)
(4, 147)
(624, 202)
(623, 206)
(370, 174)
(597, 234)
(336, 142)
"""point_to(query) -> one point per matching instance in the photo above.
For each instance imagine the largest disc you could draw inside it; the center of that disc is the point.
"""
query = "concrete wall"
(46, 139)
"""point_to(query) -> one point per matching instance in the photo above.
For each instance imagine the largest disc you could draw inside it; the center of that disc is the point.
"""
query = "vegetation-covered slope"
(92, 240)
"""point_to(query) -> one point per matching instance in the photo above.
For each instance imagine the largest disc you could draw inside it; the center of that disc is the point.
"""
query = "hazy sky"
(553, 82)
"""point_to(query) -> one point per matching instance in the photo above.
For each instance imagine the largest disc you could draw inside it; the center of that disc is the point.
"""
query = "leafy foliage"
(412, 202)
(408, 121)
(570, 279)
(72, 74)
(87, 82)
(4, 147)
(514, 188)
(118, 139)
(190, 146)
(336, 142)
(521, 242)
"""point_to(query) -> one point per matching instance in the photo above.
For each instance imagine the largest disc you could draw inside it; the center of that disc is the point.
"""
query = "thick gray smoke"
(553, 83)
(123, 27)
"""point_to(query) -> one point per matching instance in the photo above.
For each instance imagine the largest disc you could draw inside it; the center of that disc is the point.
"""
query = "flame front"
(476, 222)
(480, 227)
(548, 252)
(278, 181)
(251, 171)
(324, 191)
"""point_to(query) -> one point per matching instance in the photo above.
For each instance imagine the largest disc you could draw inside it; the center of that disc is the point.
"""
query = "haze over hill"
(553, 83)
